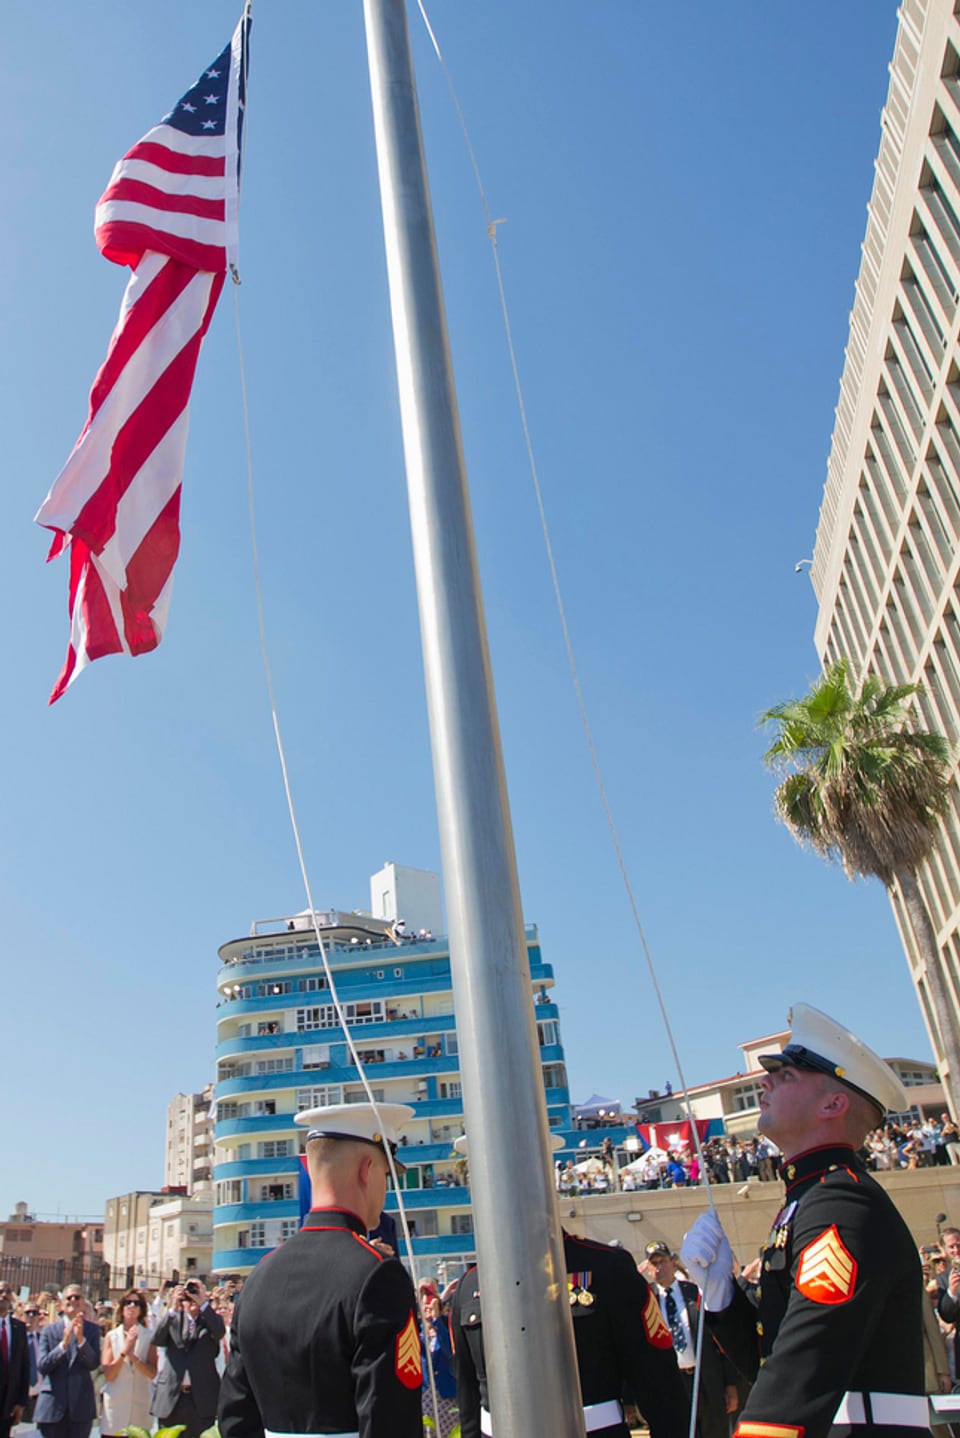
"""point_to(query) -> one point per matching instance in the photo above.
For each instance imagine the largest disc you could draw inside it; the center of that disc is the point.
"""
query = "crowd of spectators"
(727, 1160)
(932, 1143)
(132, 1350)
(925, 1143)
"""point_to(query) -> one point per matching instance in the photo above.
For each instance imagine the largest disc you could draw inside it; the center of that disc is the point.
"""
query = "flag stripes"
(169, 213)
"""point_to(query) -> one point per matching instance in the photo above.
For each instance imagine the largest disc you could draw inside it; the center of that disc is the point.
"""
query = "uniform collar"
(805, 1168)
(342, 1218)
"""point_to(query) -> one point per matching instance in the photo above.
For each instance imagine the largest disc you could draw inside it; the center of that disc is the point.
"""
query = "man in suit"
(69, 1354)
(14, 1364)
(717, 1395)
(188, 1384)
(34, 1318)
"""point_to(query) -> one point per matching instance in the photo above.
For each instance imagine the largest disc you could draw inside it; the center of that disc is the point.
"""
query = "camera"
(192, 1287)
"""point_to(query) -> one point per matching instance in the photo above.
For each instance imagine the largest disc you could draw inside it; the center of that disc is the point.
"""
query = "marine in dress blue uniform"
(325, 1339)
(837, 1337)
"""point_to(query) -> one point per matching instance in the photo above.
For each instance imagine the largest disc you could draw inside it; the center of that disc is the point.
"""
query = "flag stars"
(212, 75)
(211, 99)
(209, 125)
(190, 109)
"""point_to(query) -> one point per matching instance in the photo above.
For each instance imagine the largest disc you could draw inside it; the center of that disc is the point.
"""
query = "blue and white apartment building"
(280, 1049)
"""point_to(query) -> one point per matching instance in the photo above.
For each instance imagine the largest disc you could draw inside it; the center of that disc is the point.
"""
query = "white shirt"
(688, 1358)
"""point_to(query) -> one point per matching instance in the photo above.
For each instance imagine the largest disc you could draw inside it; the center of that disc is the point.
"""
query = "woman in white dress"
(129, 1361)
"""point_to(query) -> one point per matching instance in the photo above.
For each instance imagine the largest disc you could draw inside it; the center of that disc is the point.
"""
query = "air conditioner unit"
(422, 1087)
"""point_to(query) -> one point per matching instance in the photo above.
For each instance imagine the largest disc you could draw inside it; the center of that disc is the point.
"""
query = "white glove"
(708, 1258)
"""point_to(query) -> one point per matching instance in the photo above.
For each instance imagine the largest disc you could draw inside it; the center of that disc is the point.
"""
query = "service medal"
(585, 1298)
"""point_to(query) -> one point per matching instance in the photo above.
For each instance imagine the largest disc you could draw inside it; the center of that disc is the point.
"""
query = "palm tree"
(865, 791)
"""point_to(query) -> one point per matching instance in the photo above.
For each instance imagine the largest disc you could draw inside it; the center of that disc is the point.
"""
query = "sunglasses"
(31, 1313)
(73, 1298)
(132, 1303)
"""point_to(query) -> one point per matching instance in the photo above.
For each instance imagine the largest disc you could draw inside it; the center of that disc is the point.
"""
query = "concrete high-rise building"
(887, 558)
(280, 1049)
(188, 1162)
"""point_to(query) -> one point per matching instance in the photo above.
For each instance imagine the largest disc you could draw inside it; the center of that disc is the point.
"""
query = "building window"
(554, 1076)
(324, 1016)
(288, 1227)
(359, 1095)
(274, 1066)
(451, 1089)
(275, 1148)
(230, 1190)
(452, 1045)
(319, 1096)
(317, 1056)
(548, 1032)
(257, 1233)
(745, 1097)
(275, 1192)
(265, 1107)
(461, 1224)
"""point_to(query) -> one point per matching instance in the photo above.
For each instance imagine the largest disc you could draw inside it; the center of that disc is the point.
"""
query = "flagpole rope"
(491, 226)
(294, 823)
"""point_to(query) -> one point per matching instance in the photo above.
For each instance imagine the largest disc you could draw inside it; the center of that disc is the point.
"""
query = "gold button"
(766, 1266)
(759, 1290)
(760, 1330)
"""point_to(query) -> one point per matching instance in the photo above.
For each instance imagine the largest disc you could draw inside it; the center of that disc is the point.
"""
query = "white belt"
(595, 1416)
(269, 1433)
(901, 1410)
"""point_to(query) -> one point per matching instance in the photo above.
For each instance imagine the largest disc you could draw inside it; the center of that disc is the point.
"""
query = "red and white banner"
(676, 1135)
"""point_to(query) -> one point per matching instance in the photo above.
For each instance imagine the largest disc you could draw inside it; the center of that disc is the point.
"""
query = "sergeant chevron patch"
(827, 1272)
(408, 1364)
(658, 1334)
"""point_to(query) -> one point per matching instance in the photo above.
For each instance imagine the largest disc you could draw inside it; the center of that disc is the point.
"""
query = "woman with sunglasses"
(129, 1365)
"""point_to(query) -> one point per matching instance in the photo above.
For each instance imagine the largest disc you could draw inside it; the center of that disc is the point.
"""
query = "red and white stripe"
(168, 193)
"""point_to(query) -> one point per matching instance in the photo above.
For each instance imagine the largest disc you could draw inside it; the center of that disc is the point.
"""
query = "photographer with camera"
(188, 1384)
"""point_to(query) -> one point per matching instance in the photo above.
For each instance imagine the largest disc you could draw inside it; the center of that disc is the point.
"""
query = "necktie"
(673, 1318)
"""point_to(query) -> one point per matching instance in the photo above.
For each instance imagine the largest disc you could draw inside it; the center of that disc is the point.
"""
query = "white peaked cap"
(462, 1147)
(365, 1123)
(819, 1043)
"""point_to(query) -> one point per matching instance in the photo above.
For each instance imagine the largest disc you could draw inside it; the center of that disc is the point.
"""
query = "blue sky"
(685, 192)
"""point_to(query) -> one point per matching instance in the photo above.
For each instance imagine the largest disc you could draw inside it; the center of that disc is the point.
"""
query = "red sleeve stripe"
(768, 1430)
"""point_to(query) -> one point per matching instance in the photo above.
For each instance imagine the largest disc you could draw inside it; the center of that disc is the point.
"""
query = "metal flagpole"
(527, 1330)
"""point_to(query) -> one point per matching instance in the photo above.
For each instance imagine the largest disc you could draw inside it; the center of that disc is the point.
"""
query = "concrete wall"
(665, 1214)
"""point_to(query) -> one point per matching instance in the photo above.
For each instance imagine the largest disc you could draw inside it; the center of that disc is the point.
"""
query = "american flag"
(170, 213)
